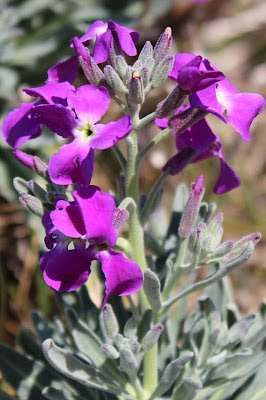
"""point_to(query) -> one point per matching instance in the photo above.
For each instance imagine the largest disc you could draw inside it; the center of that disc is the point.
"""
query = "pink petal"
(67, 219)
(52, 92)
(64, 71)
(108, 135)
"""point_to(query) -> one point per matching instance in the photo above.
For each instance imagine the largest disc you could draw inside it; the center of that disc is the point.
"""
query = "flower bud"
(195, 241)
(38, 191)
(163, 45)
(130, 327)
(145, 74)
(110, 351)
(151, 337)
(135, 90)
(121, 66)
(146, 54)
(171, 103)
(110, 321)
(128, 362)
(191, 210)
(162, 71)
(41, 168)
(91, 70)
(135, 347)
(113, 79)
(32, 162)
(152, 287)
(32, 204)
(180, 122)
(223, 249)
(21, 186)
(119, 341)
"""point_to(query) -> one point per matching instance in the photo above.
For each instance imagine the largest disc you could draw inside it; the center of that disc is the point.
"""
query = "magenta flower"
(241, 108)
(85, 106)
(192, 73)
(92, 218)
(18, 127)
(199, 143)
(124, 39)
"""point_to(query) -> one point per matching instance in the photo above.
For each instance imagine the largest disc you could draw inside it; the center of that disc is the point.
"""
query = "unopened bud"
(41, 168)
(38, 191)
(113, 79)
(121, 66)
(110, 351)
(130, 327)
(91, 70)
(162, 71)
(32, 204)
(25, 159)
(135, 90)
(191, 210)
(214, 336)
(21, 186)
(171, 103)
(195, 241)
(223, 249)
(152, 289)
(110, 321)
(180, 122)
(146, 53)
(128, 362)
(119, 341)
(151, 337)
(163, 45)
(145, 74)
(135, 347)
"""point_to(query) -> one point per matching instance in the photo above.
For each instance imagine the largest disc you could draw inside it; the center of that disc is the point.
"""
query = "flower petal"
(52, 92)
(97, 210)
(97, 28)
(64, 71)
(126, 37)
(181, 59)
(102, 47)
(56, 117)
(17, 127)
(206, 100)
(227, 180)
(199, 136)
(67, 270)
(108, 135)
(90, 103)
(122, 275)
(67, 219)
(73, 163)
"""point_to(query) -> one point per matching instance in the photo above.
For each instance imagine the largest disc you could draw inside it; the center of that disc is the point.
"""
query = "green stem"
(149, 204)
(153, 142)
(145, 120)
(150, 369)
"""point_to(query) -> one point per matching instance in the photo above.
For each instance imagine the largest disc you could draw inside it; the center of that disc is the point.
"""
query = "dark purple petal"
(102, 47)
(67, 219)
(96, 29)
(58, 118)
(25, 159)
(97, 210)
(90, 103)
(199, 136)
(178, 162)
(52, 92)
(50, 230)
(67, 270)
(206, 100)
(181, 59)
(65, 71)
(80, 49)
(73, 163)
(108, 135)
(126, 37)
(123, 277)
(227, 180)
(17, 127)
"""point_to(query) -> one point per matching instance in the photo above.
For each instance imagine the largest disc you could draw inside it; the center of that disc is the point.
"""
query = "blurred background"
(35, 34)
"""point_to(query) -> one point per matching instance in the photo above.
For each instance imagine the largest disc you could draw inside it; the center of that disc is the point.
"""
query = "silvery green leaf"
(170, 375)
(23, 374)
(89, 344)
(21, 186)
(187, 389)
(75, 369)
(27, 342)
(256, 389)
(152, 289)
(128, 362)
(54, 394)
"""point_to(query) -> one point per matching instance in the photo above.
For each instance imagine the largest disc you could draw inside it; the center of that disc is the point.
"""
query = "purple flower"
(241, 108)
(18, 127)
(85, 107)
(124, 38)
(91, 218)
(192, 73)
(199, 143)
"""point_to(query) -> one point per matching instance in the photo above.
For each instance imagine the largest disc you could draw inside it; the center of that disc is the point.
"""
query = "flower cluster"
(85, 227)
